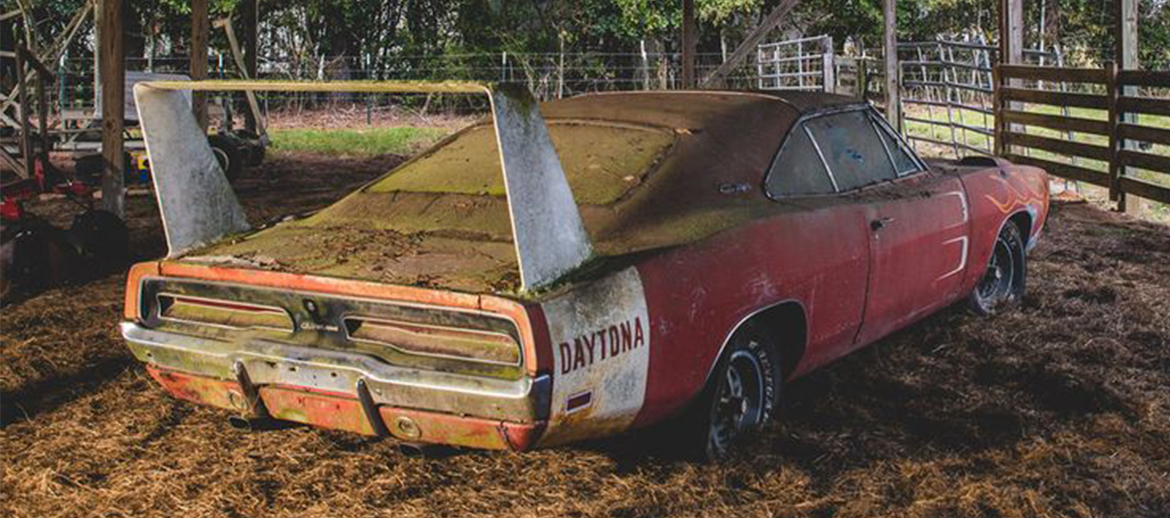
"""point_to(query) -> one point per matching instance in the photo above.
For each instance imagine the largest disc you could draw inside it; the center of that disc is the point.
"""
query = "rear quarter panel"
(996, 195)
(699, 294)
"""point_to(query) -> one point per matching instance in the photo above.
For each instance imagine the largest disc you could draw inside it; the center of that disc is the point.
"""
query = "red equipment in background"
(34, 254)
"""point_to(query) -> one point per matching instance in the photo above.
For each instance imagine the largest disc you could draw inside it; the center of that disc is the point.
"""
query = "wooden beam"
(8, 60)
(1059, 145)
(97, 58)
(31, 60)
(1125, 54)
(1056, 75)
(893, 92)
(25, 140)
(1063, 170)
(749, 43)
(1145, 189)
(1057, 122)
(50, 55)
(1011, 32)
(688, 43)
(44, 79)
(253, 112)
(200, 29)
(113, 102)
(1146, 133)
(1126, 42)
(1011, 49)
(1029, 95)
(1159, 78)
(249, 14)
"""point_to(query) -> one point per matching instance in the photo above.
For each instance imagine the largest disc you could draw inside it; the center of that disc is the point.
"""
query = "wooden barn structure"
(1121, 79)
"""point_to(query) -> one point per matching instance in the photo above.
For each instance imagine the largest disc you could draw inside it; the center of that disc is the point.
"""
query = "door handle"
(880, 223)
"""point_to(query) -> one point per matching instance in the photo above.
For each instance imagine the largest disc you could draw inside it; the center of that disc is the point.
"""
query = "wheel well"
(1023, 221)
(788, 327)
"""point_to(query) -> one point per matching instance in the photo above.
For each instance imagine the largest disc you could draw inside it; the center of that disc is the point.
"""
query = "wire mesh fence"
(548, 75)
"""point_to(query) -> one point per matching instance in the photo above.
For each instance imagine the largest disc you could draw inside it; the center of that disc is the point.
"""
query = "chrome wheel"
(1003, 282)
(996, 284)
(739, 402)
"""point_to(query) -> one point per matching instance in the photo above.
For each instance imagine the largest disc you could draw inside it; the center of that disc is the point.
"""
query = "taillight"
(433, 340)
(224, 313)
(132, 307)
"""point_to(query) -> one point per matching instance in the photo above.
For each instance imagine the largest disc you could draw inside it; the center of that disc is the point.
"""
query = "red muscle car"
(715, 245)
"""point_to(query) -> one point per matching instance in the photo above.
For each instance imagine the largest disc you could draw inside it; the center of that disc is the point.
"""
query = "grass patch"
(355, 142)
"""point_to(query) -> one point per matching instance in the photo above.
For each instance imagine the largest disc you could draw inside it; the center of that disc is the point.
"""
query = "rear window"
(852, 149)
(602, 162)
(799, 170)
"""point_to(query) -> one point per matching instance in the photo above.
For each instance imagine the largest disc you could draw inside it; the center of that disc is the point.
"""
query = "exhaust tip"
(240, 423)
(412, 449)
(258, 424)
(426, 451)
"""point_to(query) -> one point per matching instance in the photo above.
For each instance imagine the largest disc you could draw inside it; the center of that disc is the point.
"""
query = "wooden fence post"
(997, 106)
(689, 35)
(113, 102)
(200, 29)
(1116, 170)
(828, 73)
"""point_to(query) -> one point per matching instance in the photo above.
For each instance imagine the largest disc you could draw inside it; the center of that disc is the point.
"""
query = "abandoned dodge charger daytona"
(714, 246)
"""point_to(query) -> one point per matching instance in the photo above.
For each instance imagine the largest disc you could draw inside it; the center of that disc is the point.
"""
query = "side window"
(852, 149)
(799, 171)
(904, 163)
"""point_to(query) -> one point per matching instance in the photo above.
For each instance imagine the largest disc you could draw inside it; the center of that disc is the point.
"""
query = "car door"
(822, 250)
(917, 220)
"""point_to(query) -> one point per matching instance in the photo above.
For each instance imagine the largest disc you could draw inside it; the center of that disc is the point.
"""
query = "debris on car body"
(572, 269)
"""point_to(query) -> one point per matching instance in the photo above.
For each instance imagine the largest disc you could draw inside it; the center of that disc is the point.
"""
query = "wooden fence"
(1111, 140)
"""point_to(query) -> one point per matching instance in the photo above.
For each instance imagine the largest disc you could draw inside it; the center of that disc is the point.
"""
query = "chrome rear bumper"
(266, 362)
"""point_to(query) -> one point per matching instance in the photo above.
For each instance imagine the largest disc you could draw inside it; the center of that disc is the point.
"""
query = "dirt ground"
(1059, 408)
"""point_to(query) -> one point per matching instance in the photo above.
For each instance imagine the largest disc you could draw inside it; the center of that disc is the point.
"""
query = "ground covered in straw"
(1060, 408)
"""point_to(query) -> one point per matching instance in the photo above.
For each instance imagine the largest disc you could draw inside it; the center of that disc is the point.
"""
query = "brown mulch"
(1058, 408)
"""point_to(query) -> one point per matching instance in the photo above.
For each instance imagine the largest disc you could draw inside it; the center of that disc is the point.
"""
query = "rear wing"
(199, 207)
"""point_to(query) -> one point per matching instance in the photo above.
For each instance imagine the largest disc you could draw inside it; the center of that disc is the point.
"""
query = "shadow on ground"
(1059, 408)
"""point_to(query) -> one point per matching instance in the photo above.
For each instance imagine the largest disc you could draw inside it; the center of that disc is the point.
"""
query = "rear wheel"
(1003, 284)
(739, 398)
(102, 241)
(229, 154)
(36, 255)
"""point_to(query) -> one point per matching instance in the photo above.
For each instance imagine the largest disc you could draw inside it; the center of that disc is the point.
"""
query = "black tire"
(253, 145)
(102, 242)
(229, 153)
(88, 169)
(1004, 281)
(37, 255)
(738, 400)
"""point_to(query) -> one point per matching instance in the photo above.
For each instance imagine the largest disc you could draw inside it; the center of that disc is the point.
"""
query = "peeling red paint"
(200, 389)
(317, 409)
(470, 432)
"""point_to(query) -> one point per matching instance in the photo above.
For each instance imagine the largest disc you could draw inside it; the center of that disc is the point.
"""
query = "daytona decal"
(601, 344)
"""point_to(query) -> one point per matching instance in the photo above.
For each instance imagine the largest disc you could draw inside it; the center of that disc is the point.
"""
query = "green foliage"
(355, 142)
(387, 30)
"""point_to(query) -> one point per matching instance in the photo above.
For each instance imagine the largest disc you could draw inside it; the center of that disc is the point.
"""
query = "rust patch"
(200, 389)
(470, 432)
(326, 411)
